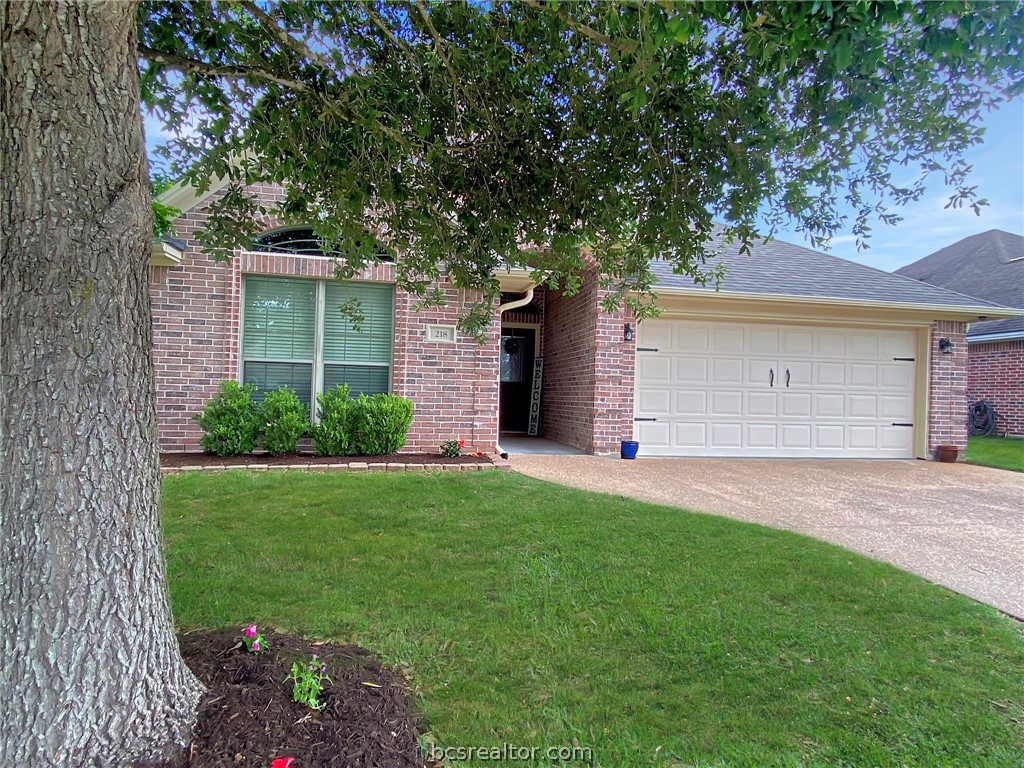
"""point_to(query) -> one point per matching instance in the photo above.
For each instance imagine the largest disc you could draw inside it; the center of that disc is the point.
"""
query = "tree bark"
(91, 672)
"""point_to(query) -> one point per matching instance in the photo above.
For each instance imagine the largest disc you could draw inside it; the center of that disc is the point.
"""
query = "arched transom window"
(302, 241)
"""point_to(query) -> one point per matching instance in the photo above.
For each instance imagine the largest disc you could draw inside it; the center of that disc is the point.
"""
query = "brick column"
(614, 362)
(588, 371)
(947, 387)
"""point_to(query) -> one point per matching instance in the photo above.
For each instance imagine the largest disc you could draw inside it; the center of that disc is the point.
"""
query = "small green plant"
(253, 640)
(381, 423)
(229, 420)
(308, 680)
(452, 449)
(333, 435)
(283, 420)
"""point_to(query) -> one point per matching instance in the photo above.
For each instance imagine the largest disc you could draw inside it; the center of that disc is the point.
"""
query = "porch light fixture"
(627, 332)
(946, 346)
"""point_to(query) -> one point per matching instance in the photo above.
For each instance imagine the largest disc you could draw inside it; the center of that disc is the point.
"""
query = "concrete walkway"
(954, 524)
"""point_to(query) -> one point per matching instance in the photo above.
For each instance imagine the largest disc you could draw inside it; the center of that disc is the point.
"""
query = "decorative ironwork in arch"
(303, 241)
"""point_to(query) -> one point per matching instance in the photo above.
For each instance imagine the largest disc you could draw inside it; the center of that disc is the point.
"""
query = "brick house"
(799, 354)
(989, 266)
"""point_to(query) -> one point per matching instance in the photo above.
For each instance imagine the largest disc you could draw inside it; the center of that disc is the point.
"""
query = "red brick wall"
(567, 397)
(947, 387)
(197, 328)
(995, 373)
(588, 372)
(453, 386)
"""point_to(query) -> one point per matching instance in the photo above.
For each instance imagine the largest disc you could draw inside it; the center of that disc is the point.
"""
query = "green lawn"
(1003, 452)
(531, 614)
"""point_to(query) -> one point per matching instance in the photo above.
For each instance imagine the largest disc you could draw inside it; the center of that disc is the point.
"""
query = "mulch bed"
(248, 717)
(177, 460)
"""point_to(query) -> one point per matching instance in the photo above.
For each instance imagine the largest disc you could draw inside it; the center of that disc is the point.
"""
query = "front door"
(516, 356)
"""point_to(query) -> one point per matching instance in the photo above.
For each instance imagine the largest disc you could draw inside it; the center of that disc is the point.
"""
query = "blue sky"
(926, 227)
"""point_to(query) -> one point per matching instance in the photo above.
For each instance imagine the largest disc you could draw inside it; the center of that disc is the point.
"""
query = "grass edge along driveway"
(999, 452)
(532, 614)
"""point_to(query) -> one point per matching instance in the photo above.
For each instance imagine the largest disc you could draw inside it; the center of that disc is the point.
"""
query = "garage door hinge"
(901, 424)
(641, 418)
(647, 349)
(904, 359)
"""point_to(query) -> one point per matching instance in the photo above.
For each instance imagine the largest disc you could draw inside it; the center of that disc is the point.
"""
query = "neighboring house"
(989, 266)
(800, 354)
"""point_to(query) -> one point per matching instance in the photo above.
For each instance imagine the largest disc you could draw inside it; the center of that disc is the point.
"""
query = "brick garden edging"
(354, 466)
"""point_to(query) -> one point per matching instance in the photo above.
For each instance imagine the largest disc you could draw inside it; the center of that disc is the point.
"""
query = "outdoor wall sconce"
(627, 332)
(946, 346)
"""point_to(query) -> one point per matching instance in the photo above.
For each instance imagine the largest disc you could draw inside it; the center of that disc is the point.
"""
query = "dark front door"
(516, 355)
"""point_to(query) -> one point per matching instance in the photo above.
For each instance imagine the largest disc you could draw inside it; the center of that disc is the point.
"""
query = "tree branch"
(583, 29)
(196, 67)
(401, 45)
(270, 24)
(440, 52)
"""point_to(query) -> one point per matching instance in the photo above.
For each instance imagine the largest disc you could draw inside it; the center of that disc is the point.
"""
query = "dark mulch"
(176, 460)
(248, 717)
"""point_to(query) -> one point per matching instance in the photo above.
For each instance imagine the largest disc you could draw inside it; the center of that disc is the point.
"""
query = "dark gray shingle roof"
(783, 269)
(989, 265)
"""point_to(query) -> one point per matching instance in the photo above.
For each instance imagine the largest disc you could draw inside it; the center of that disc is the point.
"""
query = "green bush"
(333, 435)
(284, 420)
(380, 424)
(229, 420)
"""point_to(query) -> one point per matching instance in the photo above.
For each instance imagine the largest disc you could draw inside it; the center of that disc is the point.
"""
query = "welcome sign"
(538, 376)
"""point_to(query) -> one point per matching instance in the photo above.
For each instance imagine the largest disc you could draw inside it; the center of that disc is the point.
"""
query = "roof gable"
(989, 265)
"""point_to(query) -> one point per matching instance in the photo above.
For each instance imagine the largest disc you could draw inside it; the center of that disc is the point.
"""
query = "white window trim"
(318, 362)
(318, 350)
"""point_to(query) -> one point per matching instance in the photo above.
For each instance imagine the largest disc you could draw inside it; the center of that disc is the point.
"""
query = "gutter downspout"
(503, 308)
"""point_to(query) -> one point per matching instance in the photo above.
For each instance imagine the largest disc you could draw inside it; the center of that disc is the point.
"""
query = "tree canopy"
(475, 136)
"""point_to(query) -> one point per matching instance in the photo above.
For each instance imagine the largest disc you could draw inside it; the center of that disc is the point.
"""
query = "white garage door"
(752, 389)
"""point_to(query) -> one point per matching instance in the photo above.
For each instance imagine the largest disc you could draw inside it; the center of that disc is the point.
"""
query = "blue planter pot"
(629, 449)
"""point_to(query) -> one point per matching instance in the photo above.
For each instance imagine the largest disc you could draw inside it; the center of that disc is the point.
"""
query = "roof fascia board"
(165, 254)
(516, 280)
(1005, 336)
(184, 197)
(960, 312)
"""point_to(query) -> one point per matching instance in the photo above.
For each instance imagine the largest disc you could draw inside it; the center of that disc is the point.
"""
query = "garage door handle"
(641, 418)
(771, 377)
(787, 378)
(901, 424)
(646, 349)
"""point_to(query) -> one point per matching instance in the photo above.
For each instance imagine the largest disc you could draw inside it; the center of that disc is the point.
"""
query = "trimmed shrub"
(380, 424)
(229, 420)
(284, 420)
(333, 435)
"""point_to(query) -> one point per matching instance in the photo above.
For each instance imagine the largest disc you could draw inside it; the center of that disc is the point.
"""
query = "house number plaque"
(442, 333)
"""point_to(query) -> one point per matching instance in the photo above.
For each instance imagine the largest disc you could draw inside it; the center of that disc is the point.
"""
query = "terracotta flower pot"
(947, 453)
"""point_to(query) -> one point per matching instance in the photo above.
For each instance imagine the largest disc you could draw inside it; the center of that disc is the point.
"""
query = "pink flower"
(250, 631)
(282, 762)
(255, 645)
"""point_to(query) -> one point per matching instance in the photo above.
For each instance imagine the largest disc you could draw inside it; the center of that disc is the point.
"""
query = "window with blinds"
(358, 354)
(281, 346)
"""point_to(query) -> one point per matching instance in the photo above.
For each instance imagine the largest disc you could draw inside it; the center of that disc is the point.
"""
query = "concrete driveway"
(954, 524)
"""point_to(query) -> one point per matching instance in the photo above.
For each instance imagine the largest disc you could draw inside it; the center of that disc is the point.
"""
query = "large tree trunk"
(90, 671)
